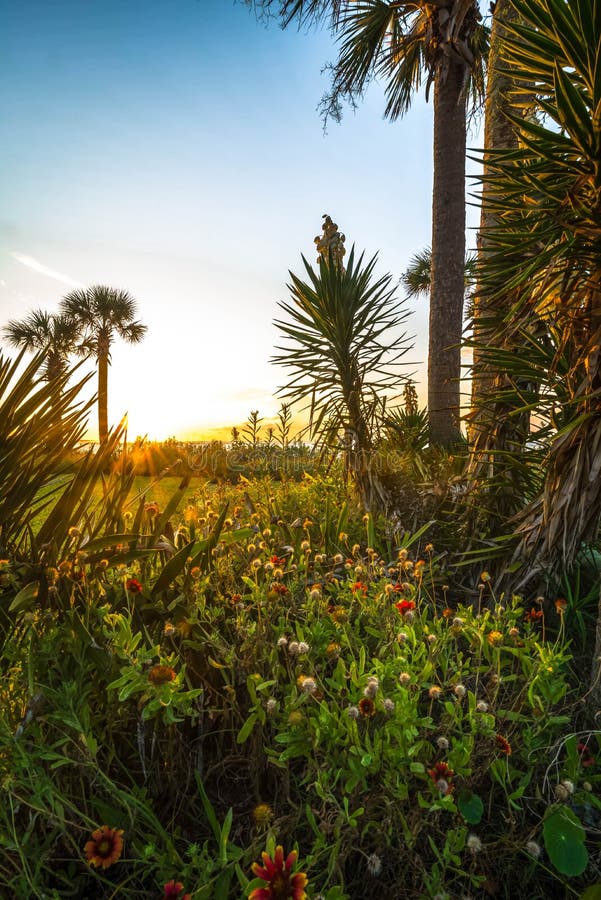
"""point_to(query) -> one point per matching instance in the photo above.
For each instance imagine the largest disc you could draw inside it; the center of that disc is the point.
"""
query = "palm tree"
(103, 313)
(405, 42)
(341, 364)
(56, 334)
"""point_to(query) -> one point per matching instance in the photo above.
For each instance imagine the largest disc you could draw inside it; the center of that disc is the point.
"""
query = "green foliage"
(564, 841)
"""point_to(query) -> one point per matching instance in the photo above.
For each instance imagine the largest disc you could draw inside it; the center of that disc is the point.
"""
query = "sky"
(173, 148)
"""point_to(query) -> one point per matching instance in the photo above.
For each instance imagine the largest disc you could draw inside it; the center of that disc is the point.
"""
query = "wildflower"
(359, 588)
(404, 678)
(169, 629)
(447, 612)
(372, 687)
(352, 712)
(295, 718)
(269, 567)
(305, 546)
(279, 588)
(359, 570)
(442, 775)
(271, 705)
(459, 691)
(442, 743)
(293, 648)
(562, 793)
(431, 638)
(429, 548)
(343, 536)
(280, 883)
(388, 705)
(405, 606)
(514, 633)
(282, 641)
(74, 532)
(435, 692)
(338, 614)
(333, 650)
(457, 622)
(409, 616)
(494, 638)
(503, 744)
(403, 554)
(367, 707)
(308, 685)
(133, 586)
(194, 571)
(374, 865)
(105, 846)
(481, 706)
(402, 637)
(256, 564)
(484, 577)
(152, 509)
(262, 814)
(473, 843)
(303, 648)
(161, 675)
(173, 891)
(560, 606)
(533, 615)
(315, 594)
(586, 757)
(338, 559)
(533, 849)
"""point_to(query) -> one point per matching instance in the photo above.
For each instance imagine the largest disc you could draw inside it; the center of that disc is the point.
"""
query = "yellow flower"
(494, 638)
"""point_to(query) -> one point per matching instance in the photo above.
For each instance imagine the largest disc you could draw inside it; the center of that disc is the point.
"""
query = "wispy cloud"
(39, 267)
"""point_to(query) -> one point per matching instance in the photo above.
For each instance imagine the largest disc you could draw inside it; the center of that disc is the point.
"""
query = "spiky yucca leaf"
(546, 250)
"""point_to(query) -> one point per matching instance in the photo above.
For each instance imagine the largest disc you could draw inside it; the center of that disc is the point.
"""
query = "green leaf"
(564, 836)
(470, 806)
(25, 598)
(247, 729)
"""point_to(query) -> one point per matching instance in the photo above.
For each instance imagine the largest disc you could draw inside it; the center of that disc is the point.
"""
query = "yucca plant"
(41, 424)
(343, 349)
(545, 249)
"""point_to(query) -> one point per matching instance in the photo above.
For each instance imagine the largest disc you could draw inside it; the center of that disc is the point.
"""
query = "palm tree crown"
(103, 313)
(55, 333)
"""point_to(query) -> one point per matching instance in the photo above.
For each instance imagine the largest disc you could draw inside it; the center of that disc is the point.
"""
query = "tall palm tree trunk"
(448, 256)
(103, 394)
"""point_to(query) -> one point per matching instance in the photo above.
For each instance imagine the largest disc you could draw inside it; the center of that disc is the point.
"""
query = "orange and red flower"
(133, 586)
(405, 606)
(561, 605)
(173, 891)
(279, 588)
(161, 675)
(367, 707)
(280, 882)
(503, 744)
(359, 588)
(104, 847)
(533, 615)
(442, 775)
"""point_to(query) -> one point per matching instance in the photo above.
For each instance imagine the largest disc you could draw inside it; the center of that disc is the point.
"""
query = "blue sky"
(173, 148)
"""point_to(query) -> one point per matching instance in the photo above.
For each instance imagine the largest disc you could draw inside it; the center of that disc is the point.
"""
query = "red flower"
(161, 675)
(561, 605)
(533, 615)
(105, 846)
(173, 891)
(133, 586)
(279, 588)
(442, 775)
(586, 757)
(503, 744)
(404, 606)
(280, 883)
(278, 560)
(359, 588)
(367, 707)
